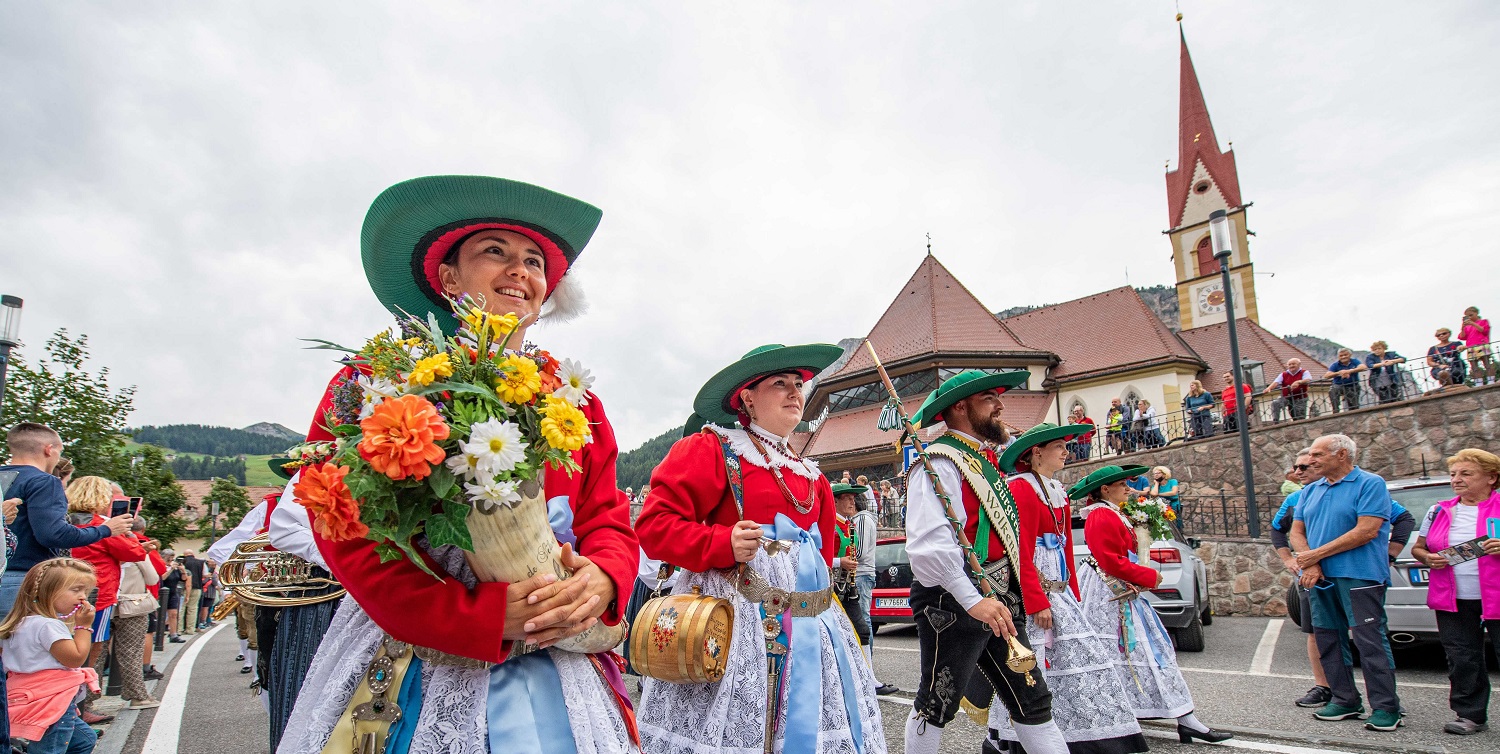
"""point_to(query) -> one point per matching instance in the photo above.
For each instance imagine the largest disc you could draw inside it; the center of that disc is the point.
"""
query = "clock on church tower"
(1205, 180)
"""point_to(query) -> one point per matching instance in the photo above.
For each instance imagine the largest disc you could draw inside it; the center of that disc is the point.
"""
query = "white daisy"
(497, 445)
(465, 465)
(376, 390)
(576, 382)
(489, 494)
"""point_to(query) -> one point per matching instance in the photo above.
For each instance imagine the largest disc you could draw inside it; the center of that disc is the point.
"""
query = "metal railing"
(1412, 380)
(1224, 515)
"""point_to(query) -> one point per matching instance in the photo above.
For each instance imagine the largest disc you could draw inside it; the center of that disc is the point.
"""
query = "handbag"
(137, 601)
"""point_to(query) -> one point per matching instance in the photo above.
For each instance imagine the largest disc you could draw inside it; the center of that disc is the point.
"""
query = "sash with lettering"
(997, 508)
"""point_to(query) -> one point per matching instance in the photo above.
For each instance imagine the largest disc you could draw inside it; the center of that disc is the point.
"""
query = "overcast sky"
(185, 182)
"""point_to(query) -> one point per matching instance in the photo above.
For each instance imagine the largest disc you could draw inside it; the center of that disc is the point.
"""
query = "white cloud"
(185, 183)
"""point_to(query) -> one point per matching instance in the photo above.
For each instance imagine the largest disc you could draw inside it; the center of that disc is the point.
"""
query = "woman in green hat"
(1088, 701)
(1144, 657)
(750, 520)
(461, 657)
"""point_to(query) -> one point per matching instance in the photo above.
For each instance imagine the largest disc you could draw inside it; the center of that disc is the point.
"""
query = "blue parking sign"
(908, 456)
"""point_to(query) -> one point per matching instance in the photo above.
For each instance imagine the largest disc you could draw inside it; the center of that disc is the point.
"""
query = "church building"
(935, 328)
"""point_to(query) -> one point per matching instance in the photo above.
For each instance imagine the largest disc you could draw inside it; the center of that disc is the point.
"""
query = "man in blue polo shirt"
(1345, 376)
(1341, 532)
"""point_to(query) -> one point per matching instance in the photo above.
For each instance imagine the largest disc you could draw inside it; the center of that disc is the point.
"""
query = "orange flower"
(400, 437)
(335, 515)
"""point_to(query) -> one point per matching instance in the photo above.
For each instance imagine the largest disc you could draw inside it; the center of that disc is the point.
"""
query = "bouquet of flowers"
(1152, 514)
(448, 437)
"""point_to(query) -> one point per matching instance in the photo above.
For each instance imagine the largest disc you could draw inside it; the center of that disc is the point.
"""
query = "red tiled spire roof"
(934, 313)
(1196, 141)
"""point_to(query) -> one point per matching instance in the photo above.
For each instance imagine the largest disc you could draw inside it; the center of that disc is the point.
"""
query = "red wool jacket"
(444, 615)
(687, 518)
(1049, 521)
(1111, 542)
(105, 556)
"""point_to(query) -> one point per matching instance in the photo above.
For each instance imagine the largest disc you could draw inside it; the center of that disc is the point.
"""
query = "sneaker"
(1333, 711)
(1384, 720)
(1465, 727)
(146, 703)
(152, 674)
(177, 640)
(239, 658)
(90, 717)
(246, 669)
(1316, 696)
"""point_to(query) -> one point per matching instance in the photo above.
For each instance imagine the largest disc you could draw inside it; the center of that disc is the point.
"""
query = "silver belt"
(1053, 587)
(755, 588)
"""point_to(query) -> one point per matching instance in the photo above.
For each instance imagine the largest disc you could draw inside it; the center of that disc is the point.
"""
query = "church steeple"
(1205, 180)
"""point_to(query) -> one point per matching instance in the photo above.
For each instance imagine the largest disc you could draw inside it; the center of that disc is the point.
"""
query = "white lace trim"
(739, 442)
(1053, 495)
(1153, 692)
(1112, 508)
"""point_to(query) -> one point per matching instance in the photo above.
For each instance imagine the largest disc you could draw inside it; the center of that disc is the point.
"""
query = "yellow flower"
(498, 324)
(520, 380)
(564, 426)
(1169, 514)
(429, 369)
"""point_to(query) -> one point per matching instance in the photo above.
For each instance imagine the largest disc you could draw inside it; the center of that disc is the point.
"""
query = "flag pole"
(909, 430)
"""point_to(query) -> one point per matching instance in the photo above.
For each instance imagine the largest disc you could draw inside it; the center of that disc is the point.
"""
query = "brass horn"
(259, 575)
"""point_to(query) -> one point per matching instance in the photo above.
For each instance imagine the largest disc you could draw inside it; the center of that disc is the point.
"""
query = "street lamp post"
(10, 332)
(1218, 228)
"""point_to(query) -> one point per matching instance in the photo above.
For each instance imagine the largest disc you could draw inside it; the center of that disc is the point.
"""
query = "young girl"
(46, 640)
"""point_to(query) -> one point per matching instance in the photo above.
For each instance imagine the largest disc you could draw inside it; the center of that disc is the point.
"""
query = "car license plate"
(891, 602)
(1417, 576)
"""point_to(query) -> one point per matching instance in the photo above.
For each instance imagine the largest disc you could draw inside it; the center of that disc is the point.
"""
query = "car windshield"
(1419, 499)
(889, 554)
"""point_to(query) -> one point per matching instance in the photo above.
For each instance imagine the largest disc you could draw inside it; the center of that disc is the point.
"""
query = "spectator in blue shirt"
(1341, 531)
(1385, 373)
(1139, 484)
(1281, 528)
(1345, 376)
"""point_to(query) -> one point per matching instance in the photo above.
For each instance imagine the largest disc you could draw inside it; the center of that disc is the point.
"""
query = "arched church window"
(1207, 264)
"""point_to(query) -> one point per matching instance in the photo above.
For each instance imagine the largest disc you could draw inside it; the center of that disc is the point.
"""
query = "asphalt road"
(1249, 675)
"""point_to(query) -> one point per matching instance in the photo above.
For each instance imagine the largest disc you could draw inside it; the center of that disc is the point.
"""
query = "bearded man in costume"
(961, 631)
(468, 662)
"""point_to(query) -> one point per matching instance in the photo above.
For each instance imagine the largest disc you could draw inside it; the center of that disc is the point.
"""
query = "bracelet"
(90, 629)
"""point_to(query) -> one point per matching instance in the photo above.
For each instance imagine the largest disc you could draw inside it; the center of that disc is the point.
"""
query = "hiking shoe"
(1333, 711)
(152, 674)
(1316, 696)
(146, 703)
(1464, 727)
(1384, 720)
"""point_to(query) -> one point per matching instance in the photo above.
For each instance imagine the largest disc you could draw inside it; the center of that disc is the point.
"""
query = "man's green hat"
(277, 464)
(718, 402)
(1041, 434)
(843, 488)
(1102, 476)
(412, 226)
(963, 385)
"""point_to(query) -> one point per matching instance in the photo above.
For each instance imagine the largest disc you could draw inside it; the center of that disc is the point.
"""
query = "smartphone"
(135, 506)
(6, 477)
(1494, 526)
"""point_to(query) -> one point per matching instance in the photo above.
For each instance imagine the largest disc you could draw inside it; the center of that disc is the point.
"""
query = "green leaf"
(345, 430)
(458, 389)
(442, 482)
(387, 552)
(449, 527)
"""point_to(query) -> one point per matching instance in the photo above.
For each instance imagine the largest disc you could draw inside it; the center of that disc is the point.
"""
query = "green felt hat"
(717, 402)
(1041, 434)
(849, 489)
(694, 423)
(413, 225)
(1102, 476)
(963, 385)
(277, 464)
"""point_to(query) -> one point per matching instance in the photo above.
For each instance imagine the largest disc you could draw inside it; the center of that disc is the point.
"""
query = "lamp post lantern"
(10, 333)
(1218, 229)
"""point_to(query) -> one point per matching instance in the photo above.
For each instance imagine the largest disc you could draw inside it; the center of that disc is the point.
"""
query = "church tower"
(1205, 180)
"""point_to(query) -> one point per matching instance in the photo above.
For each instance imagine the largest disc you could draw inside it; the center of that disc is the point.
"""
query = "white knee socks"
(1189, 721)
(244, 646)
(922, 738)
(1046, 738)
(250, 658)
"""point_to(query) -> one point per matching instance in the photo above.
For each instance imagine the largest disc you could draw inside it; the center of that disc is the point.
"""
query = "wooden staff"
(910, 430)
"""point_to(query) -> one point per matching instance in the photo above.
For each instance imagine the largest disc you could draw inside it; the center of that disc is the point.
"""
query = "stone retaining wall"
(1245, 578)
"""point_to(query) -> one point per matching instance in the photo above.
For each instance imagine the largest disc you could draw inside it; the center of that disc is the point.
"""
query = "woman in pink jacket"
(1465, 581)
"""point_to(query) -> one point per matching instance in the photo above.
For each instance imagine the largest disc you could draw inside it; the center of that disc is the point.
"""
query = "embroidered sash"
(997, 509)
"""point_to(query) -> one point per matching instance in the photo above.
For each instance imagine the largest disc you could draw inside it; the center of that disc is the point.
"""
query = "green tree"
(162, 498)
(232, 500)
(61, 393)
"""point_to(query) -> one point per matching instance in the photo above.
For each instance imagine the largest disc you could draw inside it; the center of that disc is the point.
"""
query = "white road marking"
(1252, 745)
(1357, 678)
(166, 727)
(897, 649)
(1261, 664)
(895, 700)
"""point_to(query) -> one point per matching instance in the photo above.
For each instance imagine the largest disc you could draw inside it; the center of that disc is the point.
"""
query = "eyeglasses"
(1301, 467)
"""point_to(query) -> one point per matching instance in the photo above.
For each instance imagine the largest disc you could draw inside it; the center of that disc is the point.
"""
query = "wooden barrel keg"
(682, 638)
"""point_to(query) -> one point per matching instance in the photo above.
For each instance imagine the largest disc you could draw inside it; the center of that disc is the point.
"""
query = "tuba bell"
(259, 575)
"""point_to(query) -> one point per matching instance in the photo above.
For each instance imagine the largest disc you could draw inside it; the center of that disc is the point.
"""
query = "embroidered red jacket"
(1111, 542)
(444, 615)
(1049, 521)
(690, 512)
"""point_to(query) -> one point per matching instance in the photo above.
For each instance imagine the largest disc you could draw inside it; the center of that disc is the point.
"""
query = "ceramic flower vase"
(1143, 540)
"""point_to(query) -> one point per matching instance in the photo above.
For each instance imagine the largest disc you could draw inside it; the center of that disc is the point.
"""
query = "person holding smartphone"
(89, 498)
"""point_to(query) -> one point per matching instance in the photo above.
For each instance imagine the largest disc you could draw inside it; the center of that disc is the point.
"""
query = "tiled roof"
(1196, 141)
(934, 313)
(1256, 343)
(856, 431)
(1099, 333)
